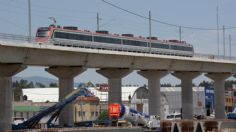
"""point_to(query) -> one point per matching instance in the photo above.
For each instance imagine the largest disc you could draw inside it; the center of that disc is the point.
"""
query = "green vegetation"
(39, 85)
(18, 86)
(103, 116)
(53, 85)
(22, 84)
(166, 85)
(228, 84)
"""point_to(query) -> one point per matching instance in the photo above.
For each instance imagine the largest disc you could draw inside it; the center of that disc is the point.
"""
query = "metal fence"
(214, 57)
(22, 38)
(14, 37)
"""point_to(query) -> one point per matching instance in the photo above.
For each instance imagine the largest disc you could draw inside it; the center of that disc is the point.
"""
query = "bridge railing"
(14, 37)
(20, 38)
(214, 57)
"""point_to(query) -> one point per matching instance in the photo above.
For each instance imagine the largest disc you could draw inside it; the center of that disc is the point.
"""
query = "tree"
(18, 86)
(229, 84)
(39, 85)
(166, 85)
(53, 85)
(97, 85)
(30, 85)
(178, 85)
(90, 84)
(205, 84)
(103, 116)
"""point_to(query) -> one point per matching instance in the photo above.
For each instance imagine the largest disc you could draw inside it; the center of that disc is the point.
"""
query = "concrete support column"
(154, 91)
(66, 85)
(219, 93)
(114, 82)
(187, 92)
(6, 73)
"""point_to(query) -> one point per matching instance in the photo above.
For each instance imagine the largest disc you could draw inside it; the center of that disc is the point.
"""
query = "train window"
(42, 33)
(176, 47)
(135, 43)
(72, 36)
(189, 48)
(158, 45)
(127, 42)
(107, 40)
(139, 43)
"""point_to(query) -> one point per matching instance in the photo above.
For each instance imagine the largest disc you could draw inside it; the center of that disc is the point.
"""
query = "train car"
(73, 37)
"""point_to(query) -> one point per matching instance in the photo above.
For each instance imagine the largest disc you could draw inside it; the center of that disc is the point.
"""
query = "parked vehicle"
(232, 115)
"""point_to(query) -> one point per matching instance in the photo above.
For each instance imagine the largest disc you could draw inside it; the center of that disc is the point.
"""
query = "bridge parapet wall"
(197, 125)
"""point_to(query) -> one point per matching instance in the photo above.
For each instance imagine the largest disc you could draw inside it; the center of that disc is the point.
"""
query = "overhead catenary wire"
(41, 12)
(162, 22)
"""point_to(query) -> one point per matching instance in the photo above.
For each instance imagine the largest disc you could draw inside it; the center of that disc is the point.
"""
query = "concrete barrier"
(196, 125)
(166, 126)
(187, 126)
(228, 125)
(175, 127)
(211, 125)
(89, 129)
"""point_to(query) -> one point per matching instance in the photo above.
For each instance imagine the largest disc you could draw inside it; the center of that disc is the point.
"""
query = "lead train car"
(71, 36)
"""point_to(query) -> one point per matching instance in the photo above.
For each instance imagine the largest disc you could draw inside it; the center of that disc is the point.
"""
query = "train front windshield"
(42, 32)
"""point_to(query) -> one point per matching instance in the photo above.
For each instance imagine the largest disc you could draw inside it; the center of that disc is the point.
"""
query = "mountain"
(44, 80)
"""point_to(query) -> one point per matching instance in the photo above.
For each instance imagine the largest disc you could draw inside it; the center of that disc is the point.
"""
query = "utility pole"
(180, 33)
(29, 18)
(218, 34)
(98, 21)
(150, 31)
(230, 46)
(223, 40)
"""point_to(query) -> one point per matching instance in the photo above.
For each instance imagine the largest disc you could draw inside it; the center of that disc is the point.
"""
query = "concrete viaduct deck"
(50, 55)
(68, 62)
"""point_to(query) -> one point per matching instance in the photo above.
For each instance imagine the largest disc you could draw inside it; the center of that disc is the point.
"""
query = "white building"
(41, 94)
(51, 94)
(170, 100)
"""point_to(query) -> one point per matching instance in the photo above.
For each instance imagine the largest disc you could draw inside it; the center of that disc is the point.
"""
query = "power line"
(45, 14)
(162, 22)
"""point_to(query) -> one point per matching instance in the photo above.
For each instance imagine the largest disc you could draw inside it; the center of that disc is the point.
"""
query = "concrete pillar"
(114, 76)
(66, 85)
(219, 93)
(154, 90)
(187, 92)
(6, 73)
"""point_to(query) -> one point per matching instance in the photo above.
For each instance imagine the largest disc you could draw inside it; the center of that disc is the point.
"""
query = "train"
(73, 37)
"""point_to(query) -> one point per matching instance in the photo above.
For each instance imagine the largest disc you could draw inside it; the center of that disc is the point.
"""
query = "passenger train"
(73, 37)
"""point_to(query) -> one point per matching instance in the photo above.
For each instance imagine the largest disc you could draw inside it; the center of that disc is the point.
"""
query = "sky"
(82, 13)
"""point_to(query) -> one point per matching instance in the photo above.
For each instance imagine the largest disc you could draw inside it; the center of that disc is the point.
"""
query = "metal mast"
(230, 46)
(150, 31)
(97, 21)
(29, 18)
(180, 33)
(223, 40)
(218, 34)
